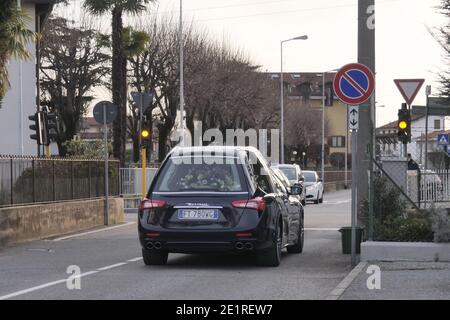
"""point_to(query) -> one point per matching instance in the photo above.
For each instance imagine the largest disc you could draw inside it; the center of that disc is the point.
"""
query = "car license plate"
(198, 214)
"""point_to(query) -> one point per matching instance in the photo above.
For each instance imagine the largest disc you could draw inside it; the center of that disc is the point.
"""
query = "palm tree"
(119, 65)
(14, 37)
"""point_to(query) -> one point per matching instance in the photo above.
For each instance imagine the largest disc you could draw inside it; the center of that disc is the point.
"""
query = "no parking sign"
(354, 84)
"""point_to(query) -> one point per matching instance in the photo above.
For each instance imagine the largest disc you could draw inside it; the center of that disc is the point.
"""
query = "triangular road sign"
(409, 88)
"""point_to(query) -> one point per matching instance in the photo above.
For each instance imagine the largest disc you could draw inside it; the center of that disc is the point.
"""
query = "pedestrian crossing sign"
(443, 139)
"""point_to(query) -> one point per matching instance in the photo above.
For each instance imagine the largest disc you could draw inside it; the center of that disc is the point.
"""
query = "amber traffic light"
(145, 138)
(404, 124)
(145, 133)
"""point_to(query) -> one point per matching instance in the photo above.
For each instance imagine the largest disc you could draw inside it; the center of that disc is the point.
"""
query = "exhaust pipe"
(248, 246)
(157, 245)
(149, 245)
(239, 245)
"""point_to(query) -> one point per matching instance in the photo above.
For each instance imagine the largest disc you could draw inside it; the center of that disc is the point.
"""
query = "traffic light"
(145, 138)
(37, 127)
(404, 124)
(51, 127)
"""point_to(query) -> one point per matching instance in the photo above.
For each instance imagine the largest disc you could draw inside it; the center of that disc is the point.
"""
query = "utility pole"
(365, 140)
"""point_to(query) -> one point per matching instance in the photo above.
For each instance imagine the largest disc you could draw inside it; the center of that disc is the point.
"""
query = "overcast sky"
(404, 47)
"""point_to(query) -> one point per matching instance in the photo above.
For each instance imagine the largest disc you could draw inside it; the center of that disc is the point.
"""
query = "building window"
(437, 124)
(338, 142)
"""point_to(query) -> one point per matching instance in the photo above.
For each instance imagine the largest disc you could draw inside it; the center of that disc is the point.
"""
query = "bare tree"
(304, 125)
(73, 62)
(223, 89)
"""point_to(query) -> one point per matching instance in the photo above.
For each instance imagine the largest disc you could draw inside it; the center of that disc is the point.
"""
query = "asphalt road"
(111, 266)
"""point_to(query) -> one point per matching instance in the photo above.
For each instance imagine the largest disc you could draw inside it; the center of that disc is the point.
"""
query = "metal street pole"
(105, 134)
(282, 105)
(140, 119)
(304, 37)
(323, 121)
(354, 195)
(346, 148)
(19, 5)
(428, 93)
(323, 127)
(181, 73)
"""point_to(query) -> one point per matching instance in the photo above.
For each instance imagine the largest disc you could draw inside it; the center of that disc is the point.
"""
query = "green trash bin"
(346, 237)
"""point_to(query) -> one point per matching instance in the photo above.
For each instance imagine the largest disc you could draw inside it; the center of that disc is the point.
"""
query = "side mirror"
(320, 180)
(302, 179)
(259, 192)
(296, 189)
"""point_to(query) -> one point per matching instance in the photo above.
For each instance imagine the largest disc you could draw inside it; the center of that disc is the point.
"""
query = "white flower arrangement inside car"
(219, 181)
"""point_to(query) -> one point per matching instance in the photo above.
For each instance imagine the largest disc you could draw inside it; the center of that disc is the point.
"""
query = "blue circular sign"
(354, 84)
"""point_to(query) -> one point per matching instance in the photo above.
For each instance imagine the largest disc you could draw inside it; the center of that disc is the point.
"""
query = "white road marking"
(135, 259)
(112, 266)
(322, 229)
(337, 202)
(54, 283)
(346, 282)
(94, 231)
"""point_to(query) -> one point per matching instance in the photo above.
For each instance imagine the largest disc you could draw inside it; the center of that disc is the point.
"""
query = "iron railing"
(37, 180)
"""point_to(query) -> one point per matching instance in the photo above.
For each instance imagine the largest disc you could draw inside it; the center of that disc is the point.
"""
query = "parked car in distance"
(295, 175)
(219, 199)
(314, 187)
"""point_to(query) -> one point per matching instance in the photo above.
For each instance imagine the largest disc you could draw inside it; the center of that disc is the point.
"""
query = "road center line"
(54, 283)
(112, 266)
(94, 231)
(135, 259)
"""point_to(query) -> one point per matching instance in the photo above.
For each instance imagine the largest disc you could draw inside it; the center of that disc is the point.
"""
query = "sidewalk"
(403, 280)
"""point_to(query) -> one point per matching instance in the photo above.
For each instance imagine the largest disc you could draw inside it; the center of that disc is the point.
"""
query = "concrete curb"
(344, 284)
(405, 251)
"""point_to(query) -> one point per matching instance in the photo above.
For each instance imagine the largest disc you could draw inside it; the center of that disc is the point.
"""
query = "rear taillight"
(152, 204)
(255, 204)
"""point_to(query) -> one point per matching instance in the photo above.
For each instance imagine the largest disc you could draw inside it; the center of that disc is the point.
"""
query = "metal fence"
(429, 187)
(131, 181)
(131, 186)
(37, 180)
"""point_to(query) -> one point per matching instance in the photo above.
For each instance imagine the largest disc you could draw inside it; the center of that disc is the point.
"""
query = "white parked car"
(314, 186)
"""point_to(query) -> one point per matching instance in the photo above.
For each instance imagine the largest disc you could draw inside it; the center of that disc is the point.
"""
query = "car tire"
(317, 199)
(321, 199)
(152, 258)
(271, 257)
(298, 247)
(304, 202)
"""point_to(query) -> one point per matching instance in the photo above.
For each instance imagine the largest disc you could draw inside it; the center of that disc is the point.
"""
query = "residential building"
(21, 99)
(305, 89)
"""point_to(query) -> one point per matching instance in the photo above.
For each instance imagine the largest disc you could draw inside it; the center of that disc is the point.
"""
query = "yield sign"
(409, 88)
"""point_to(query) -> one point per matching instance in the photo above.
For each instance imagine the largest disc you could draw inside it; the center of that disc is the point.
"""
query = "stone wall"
(33, 222)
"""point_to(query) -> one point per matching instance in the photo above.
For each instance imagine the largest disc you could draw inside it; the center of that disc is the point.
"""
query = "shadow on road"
(217, 261)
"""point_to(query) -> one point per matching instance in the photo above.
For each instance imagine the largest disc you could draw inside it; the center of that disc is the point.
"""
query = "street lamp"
(304, 37)
(323, 120)
(181, 73)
